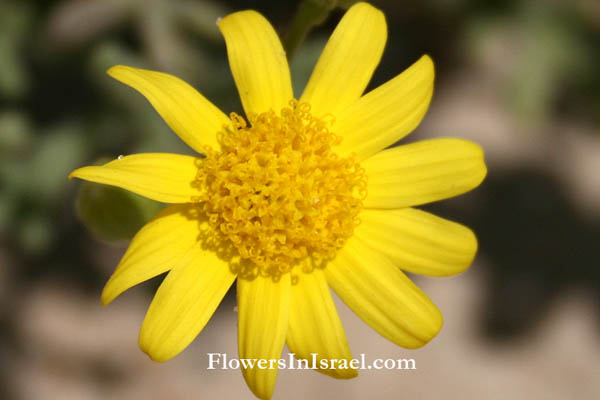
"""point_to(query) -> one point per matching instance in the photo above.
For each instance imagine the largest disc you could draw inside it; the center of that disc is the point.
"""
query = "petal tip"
(116, 70)
(470, 253)
(344, 374)
(263, 392)
(484, 170)
(427, 333)
(352, 373)
(154, 353)
(437, 322)
(482, 167)
(474, 247)
(427, 60)
(363, 5)
(107, 297)
(221, 21)
(83, 173)
(76, 173)
(371, 11)
(154, 357)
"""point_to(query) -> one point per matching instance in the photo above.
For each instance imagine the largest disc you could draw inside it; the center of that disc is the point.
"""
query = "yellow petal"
(189, 114)
(382, 296)
(315, 327)
(257, 61)
(387, 114)
(155, 249)
(168, 178)
(417, 241)
(184, 303)
(348, 61)
(263, 312)
(423, 172)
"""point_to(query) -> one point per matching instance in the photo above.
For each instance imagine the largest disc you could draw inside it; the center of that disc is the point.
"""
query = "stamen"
(278, 192)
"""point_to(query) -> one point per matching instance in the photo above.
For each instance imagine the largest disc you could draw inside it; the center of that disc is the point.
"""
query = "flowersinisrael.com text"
(222, 361)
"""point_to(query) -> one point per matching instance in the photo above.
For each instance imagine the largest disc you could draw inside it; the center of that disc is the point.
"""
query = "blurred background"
(520, 77)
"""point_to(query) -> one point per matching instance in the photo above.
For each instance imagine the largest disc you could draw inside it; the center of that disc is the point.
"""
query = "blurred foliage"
(16, 22)
(310, 13)
(112, 213)
(537, 50)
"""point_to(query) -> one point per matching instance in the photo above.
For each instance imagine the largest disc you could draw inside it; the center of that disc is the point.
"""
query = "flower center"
(278, 192)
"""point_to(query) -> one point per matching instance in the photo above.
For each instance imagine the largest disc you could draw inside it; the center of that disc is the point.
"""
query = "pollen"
(278, 192)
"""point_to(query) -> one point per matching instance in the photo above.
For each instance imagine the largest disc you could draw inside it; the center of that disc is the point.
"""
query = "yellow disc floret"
(278, 192)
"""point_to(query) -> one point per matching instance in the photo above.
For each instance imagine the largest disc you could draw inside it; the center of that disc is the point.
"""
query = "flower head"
(299, 196)
(278, 192)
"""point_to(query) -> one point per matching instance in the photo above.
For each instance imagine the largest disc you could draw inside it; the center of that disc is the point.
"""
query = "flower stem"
(310, 14)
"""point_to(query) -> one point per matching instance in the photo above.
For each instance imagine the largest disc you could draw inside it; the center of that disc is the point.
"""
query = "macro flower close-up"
(294, 198)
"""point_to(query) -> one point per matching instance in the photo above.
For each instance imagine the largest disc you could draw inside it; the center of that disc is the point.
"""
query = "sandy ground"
(78, 350)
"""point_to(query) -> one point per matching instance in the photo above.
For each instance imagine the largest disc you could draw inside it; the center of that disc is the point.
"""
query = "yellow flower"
(302, 196)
